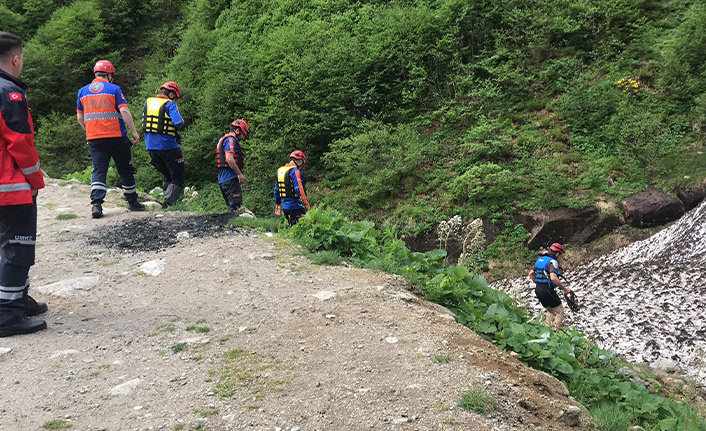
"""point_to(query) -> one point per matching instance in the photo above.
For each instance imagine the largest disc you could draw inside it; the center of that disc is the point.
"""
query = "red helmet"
(557, 248)
(242, 125)
(172, 86)
(299, 155)
(104, 66)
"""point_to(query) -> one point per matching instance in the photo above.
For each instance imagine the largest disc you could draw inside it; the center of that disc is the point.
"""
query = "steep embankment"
(227, 329)
(645, 300)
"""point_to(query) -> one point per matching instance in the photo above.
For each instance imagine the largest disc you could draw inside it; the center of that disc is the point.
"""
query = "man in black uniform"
(20, 180)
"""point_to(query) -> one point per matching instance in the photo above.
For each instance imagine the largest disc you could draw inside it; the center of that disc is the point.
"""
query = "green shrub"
(684, 67)
(377, 161)
(488, 185)
(612, 417)
(61, 144)
(488, 140)
(325, 257)
(263, 224)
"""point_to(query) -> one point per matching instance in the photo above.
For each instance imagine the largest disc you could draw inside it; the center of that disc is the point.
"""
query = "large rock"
(691, 197)
(72, 287)
(651, 207)
(565, 225)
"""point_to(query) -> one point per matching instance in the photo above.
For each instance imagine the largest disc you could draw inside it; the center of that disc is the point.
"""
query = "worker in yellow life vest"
(160, 123)
(290, 194)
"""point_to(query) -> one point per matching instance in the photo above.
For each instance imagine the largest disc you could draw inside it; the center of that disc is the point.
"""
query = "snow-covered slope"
(647, 300)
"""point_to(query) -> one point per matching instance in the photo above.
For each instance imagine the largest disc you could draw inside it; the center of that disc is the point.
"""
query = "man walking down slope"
(290, 194)
(545, 274)
(103, 113)
(160, 121)
(20, 180)
(230, 160)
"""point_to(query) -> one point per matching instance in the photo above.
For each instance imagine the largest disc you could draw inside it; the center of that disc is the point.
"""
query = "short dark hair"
(102, 74)
(9, 44)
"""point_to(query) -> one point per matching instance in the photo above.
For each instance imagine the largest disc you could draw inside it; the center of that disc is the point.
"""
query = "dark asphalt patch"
(157, 233)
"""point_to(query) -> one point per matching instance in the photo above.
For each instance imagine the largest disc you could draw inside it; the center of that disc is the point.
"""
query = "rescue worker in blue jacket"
(160, 123)
(230, 160)
(20, 180)
(290, 194)
(545, 274)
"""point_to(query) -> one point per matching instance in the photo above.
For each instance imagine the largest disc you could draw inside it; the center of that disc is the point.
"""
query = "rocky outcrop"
(691, 196)
(651, 207)
(565, 225)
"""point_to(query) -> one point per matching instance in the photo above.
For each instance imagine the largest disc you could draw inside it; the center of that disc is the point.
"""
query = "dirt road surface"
(229, 329)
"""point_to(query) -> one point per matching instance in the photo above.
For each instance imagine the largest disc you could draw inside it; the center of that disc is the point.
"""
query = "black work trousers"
(101, 152)
(233, 194)
(18, 231)
(293, 216)
(169, 163)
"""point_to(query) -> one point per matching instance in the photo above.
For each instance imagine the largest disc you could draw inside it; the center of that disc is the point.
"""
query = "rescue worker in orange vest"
(160, 121)
(290, 195)
(103, 113)
(230, 160)
(20, 180)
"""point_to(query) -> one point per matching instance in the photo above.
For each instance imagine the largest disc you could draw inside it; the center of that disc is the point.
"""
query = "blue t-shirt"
(157, 141)
(230, 145)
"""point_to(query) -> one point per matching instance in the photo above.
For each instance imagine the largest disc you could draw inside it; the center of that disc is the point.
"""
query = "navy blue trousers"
(101, 152)
(233, 194)
(18, 231)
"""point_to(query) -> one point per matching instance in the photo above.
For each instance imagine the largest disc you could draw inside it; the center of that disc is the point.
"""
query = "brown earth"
(231, 336)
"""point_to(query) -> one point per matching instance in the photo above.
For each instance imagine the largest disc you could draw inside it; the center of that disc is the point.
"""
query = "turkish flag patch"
(16, 97)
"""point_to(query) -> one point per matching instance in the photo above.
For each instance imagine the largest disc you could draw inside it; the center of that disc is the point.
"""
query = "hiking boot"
(135, 206)
(97, 211)
(34, 307)
(24, 326)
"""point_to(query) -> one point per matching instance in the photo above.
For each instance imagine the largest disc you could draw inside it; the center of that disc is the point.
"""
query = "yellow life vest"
(285, 188)
(155, 118)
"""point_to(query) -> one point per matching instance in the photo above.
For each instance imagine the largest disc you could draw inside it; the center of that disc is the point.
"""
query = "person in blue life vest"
(230, 160)
(160, 123)
(103, 113)
(290, 193)
(21, 179)
(545, 274)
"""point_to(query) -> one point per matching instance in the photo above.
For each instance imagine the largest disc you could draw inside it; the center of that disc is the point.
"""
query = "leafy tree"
(12, 21)
(60, 57)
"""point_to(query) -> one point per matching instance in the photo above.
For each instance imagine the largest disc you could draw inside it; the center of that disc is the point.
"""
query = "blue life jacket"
(541, 270)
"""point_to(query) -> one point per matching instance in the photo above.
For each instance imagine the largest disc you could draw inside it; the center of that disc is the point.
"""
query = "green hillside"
(409, 111)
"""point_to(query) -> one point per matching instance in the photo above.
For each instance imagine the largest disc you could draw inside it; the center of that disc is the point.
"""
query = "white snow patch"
(646, 300)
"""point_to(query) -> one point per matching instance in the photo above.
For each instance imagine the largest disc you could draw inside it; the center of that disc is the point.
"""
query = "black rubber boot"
(135, 206)
(171, 194)
(97, 210)
(24, 326)
(34, 308)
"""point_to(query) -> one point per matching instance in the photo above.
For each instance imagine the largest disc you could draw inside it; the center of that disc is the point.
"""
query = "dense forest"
(409, 111)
